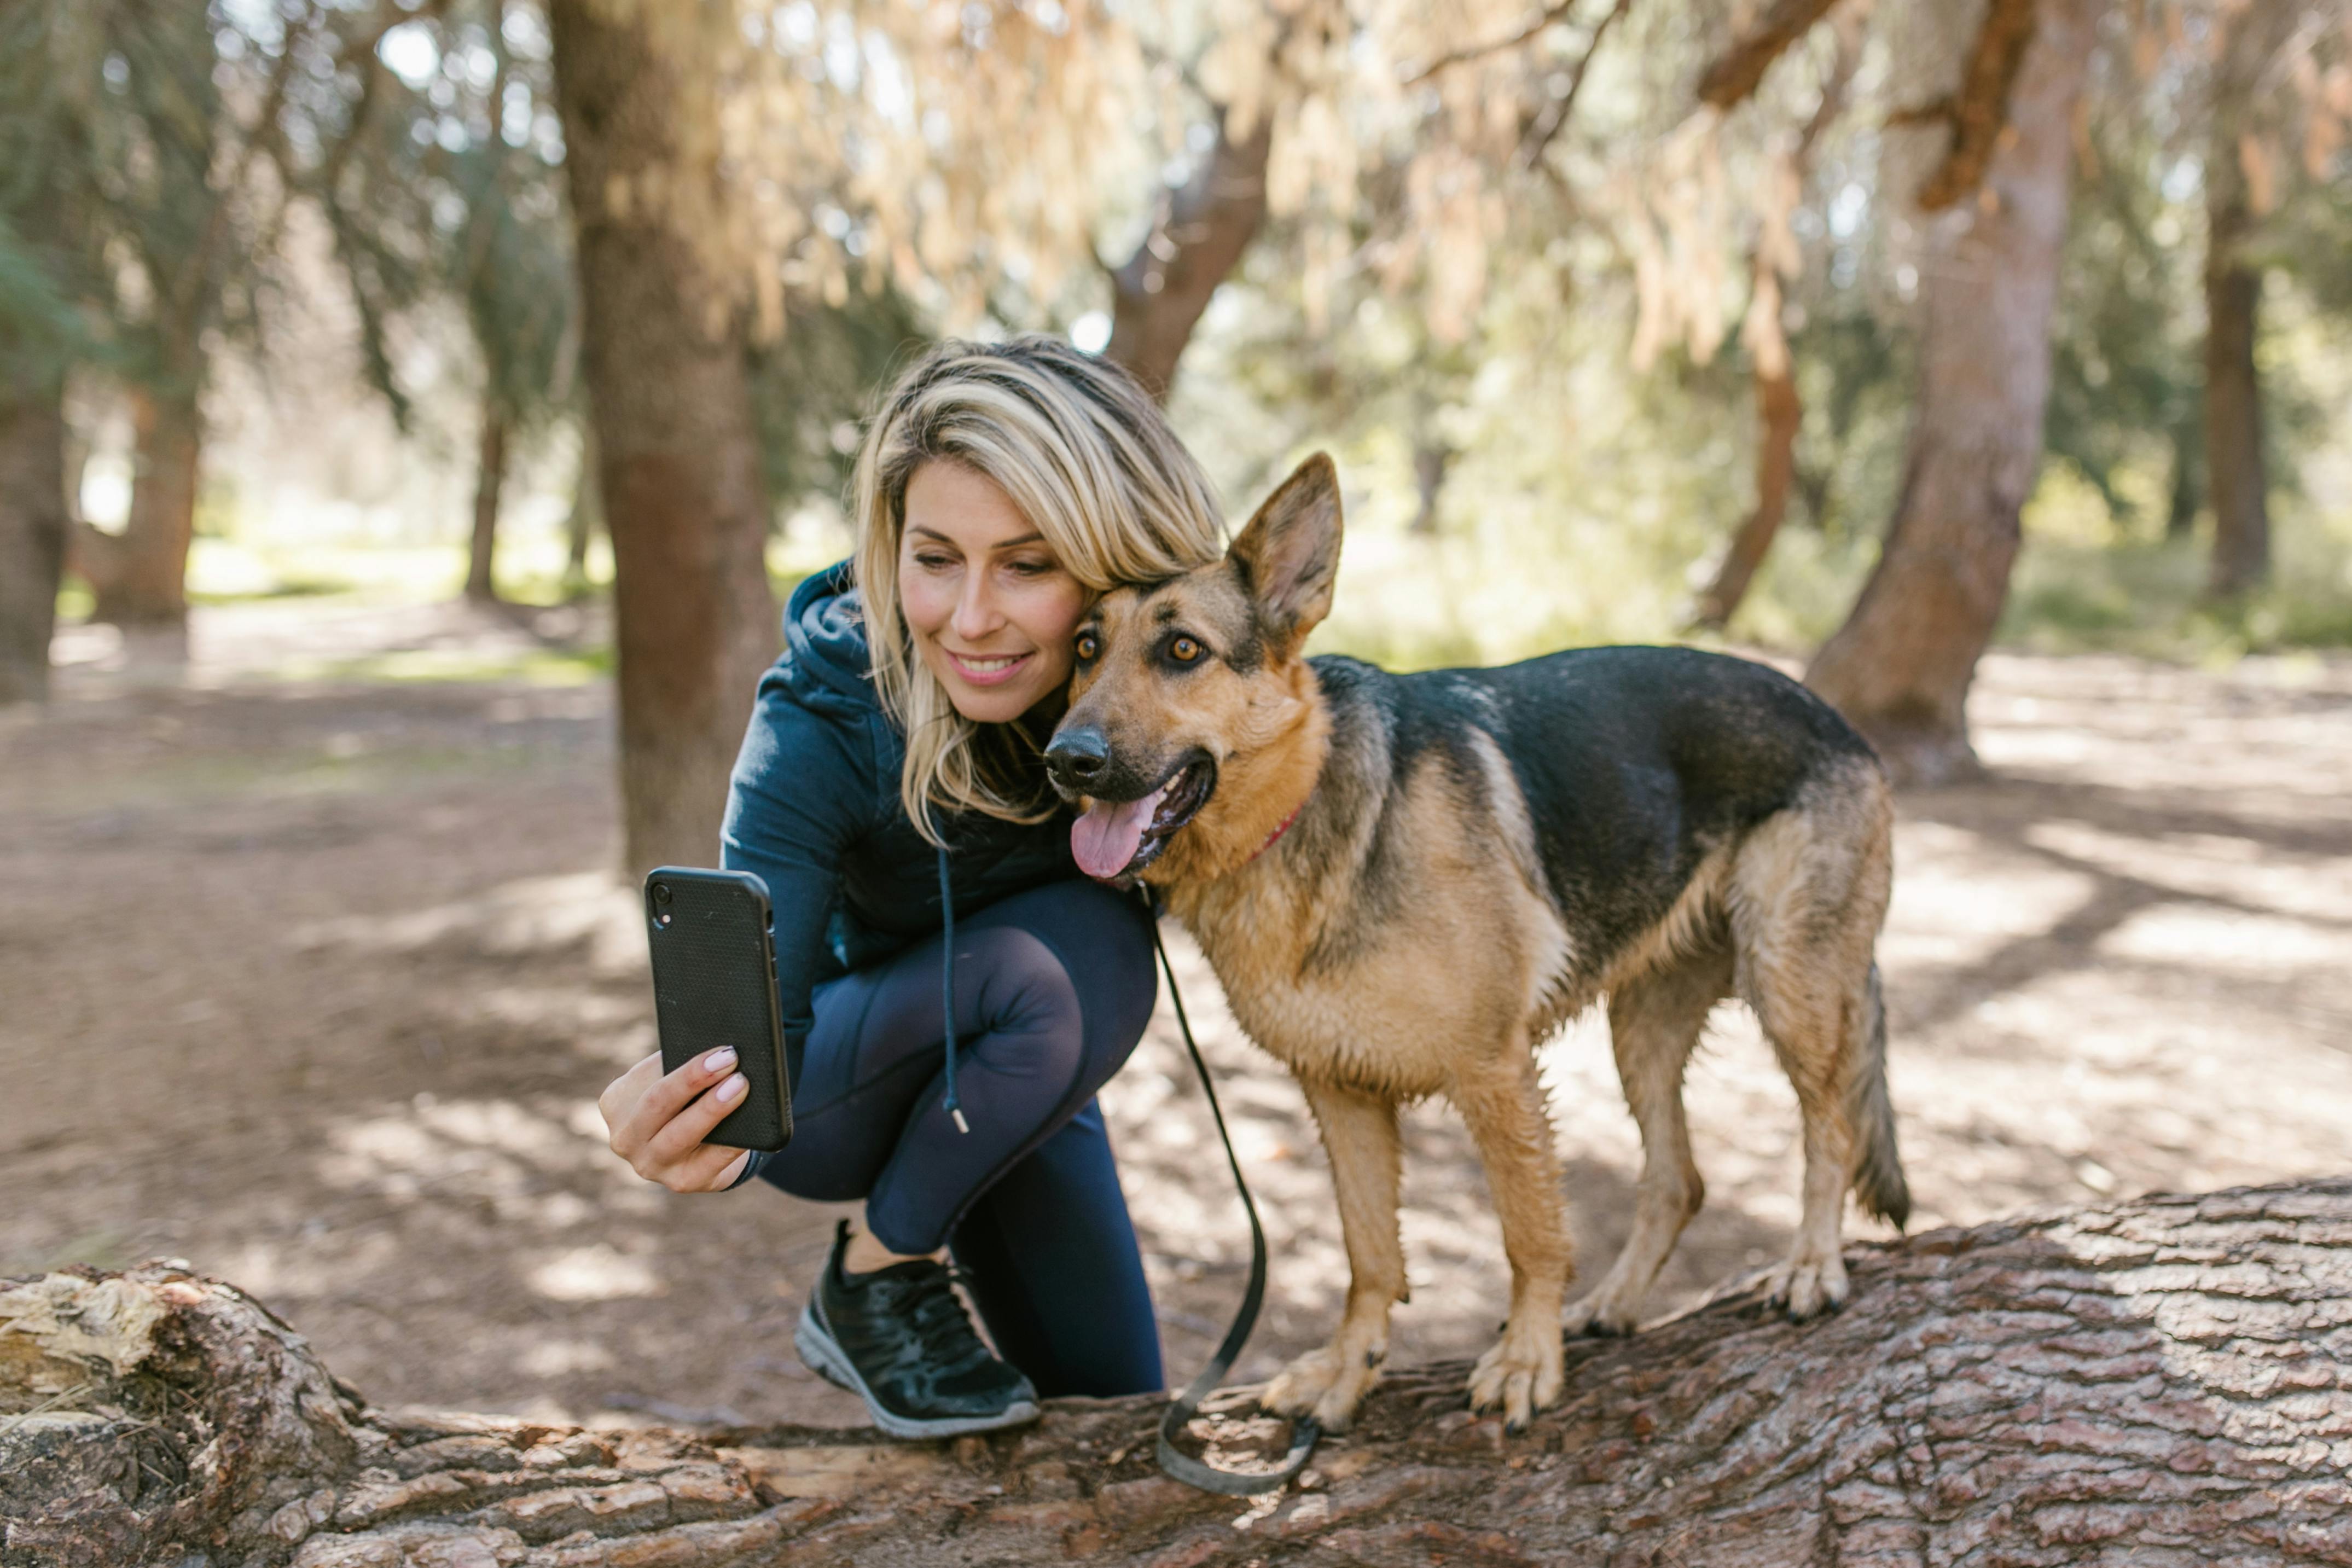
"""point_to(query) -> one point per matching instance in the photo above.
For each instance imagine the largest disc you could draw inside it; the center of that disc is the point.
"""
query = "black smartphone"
(715, 985)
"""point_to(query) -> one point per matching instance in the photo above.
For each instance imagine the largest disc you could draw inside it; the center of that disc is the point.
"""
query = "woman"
(892, 775)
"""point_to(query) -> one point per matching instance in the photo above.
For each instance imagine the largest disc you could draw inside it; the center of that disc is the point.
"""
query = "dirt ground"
(313, 982)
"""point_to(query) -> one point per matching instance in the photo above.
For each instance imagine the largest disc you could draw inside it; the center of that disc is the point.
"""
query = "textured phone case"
(715, 985)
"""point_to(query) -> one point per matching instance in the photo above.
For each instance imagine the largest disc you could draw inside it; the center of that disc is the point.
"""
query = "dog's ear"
(1288, 556)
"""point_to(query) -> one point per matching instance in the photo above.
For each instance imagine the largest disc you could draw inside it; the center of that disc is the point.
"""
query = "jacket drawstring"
(947, 989)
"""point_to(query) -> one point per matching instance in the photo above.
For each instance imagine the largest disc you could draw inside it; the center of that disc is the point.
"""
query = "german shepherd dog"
(1406, 882)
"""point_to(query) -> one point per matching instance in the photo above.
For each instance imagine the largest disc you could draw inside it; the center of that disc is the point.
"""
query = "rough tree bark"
(1901, 665)
(2235, 468)
(2166, 1381)
(662, 347)
(1197, 236)
(140, 575)
(32, 533)
(490, 479)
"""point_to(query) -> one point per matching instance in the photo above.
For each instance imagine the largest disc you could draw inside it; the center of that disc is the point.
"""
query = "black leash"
(1303, 1432)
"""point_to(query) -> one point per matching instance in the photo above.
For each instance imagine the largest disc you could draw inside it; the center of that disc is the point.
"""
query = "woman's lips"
(989, 670)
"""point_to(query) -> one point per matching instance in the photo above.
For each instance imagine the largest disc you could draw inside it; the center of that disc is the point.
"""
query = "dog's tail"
(1877, 1166)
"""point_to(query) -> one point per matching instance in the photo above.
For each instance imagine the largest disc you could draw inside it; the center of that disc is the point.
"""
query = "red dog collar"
(1280, 829)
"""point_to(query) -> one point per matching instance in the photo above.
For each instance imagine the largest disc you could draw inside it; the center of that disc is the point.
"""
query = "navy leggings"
(1053, 987)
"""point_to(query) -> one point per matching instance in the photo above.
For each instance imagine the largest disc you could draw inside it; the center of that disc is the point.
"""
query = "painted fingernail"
(732, 1090)
(719, 1060)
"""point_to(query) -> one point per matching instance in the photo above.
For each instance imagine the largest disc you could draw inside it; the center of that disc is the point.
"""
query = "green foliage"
(811, 388)
(2126, 373)
(1575, 498)
(430, 146)
(2148, 598)
(124, 234)
(41, 330)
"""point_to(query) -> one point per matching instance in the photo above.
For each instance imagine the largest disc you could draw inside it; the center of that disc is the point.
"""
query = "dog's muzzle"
(1076, 758)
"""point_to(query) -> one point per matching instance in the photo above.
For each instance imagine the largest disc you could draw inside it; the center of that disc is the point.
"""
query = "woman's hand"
(657, 1124)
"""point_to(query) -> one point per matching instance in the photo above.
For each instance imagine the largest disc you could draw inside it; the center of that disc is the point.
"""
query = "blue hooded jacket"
(813, 808)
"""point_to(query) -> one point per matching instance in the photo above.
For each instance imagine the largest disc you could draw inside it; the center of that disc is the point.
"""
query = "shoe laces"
(932, 1308)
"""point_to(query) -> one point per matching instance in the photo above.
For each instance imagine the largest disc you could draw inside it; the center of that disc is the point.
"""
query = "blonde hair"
(1088, 458)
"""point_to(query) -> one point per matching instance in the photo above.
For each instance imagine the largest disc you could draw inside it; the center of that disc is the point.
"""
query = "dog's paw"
(1326, 1383)
(1519, 1374)
(1601, 1315)
(1808, 1287)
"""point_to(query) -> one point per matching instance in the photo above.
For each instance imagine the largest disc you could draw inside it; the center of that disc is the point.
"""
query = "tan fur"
(1453, 999)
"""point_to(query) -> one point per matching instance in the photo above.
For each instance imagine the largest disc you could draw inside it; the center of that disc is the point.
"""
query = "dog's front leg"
(1504, 1105)
(1360, 1134)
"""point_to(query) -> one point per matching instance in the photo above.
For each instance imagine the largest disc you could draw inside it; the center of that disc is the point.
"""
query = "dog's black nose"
(1077, 757)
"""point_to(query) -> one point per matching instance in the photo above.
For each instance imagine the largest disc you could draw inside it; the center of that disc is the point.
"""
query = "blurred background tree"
(1996, 205)
(44, 264)
(148, 125)
(433, 148)
(1804, 322)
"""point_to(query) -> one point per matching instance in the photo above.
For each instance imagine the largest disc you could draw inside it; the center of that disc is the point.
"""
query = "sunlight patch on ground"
(554, 1358)
(595, 1273)
(2230, 868)
(2222, 938)
(495, 1153)
(531, 914)
(1954, 907)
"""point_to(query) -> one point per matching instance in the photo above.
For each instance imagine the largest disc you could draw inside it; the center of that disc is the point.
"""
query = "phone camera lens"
(662, 894)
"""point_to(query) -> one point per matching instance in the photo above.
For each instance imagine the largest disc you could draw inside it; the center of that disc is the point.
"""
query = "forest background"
(412, 415)
(1626, 321)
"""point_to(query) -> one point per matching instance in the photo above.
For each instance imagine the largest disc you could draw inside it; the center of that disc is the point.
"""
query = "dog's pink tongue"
(1105, 840)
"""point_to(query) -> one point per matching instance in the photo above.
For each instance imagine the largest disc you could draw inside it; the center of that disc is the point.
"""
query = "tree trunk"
(1779, 415)
(2233, 292)
(490, 478)
(662, 347)
(142, 580)
(581, 525)
(1431, 459)
(2233, 413)
(1197, 238)
(1900, 666)
(2163, 1381)
(1780, 411)
(32, 534)
(2187, 494)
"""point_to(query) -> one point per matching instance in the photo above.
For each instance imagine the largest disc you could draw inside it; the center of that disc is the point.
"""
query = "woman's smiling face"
(990, 609)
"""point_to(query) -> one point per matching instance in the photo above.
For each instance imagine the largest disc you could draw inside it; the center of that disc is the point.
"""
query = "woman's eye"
(1184, 650)
(1089, 646)
(934, 562)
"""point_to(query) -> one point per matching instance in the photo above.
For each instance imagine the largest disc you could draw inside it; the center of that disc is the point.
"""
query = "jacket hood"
(825, 660)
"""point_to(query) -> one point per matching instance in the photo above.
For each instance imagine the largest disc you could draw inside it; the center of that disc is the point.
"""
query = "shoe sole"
(823, 1356)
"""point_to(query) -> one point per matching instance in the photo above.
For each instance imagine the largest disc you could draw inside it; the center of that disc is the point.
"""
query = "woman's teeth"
(988, 666)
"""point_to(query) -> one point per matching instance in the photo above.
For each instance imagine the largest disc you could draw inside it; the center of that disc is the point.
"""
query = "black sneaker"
(898, 1338)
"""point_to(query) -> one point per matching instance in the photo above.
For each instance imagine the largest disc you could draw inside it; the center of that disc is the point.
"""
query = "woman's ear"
(1288, 556)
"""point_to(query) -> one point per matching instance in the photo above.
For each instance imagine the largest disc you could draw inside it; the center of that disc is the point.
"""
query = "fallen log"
(2166, 1381)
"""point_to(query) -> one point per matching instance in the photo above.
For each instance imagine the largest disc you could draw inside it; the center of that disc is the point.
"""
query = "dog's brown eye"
(1089, 646)
(1183, 651)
